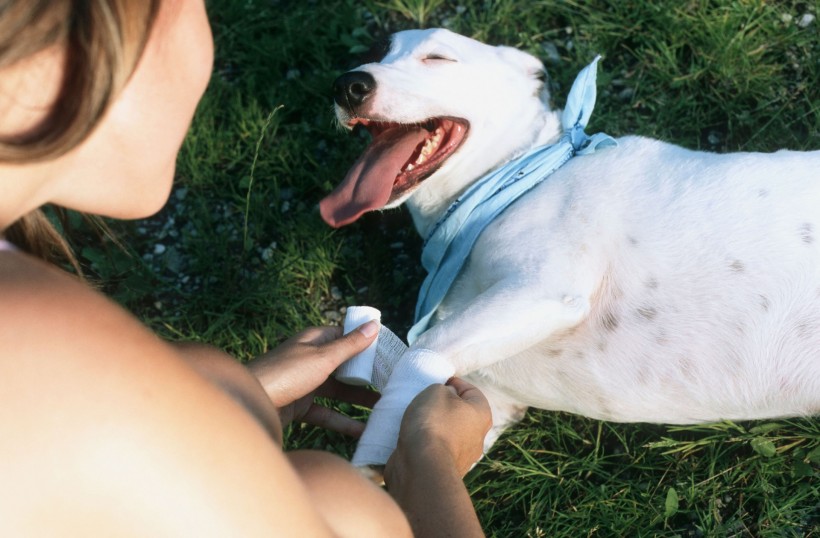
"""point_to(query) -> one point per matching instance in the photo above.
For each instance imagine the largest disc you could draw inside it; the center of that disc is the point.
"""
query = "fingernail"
(371, 328)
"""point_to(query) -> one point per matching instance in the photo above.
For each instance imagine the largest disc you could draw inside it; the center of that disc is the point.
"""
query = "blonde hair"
(103, 40)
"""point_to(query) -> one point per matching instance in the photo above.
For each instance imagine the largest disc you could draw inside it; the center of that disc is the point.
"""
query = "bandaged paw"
(389, 349)
(416, 370)
(398, 373)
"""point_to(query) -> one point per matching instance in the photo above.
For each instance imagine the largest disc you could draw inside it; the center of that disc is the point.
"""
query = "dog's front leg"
(505, 320)
(501, 322)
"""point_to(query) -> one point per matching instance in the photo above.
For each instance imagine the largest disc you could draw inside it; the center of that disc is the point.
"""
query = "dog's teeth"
(430, 146)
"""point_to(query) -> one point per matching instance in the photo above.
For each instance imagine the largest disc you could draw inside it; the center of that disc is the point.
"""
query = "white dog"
(641, 282)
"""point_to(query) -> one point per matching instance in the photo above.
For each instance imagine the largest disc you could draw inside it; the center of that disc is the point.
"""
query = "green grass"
(245, 261)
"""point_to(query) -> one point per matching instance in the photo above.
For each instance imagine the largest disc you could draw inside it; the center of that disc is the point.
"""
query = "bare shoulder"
(44, 307)
(54, 325)
(111, 424)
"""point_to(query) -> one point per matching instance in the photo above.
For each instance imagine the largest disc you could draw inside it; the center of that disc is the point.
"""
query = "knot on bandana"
(448, 245)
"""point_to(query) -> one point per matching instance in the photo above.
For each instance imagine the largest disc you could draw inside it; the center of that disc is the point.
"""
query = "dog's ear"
(530, 65)
(377, 51)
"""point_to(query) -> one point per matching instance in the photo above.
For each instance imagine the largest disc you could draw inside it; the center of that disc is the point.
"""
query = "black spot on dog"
(737, 266)
(648, 312)
(807, 233)
(652, 283)
(764, 303)
(762, 193)
(632, 241)
(609, 321)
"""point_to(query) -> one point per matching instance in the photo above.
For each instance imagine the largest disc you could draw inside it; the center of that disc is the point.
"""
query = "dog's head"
(442, 109)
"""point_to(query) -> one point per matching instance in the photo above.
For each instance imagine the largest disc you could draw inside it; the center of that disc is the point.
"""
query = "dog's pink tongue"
(369, 183)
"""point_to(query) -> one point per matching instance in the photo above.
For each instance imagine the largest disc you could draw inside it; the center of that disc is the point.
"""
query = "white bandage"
(389, 350)
(373, 365)
(359, 369)
(416, 370)
(398, 373)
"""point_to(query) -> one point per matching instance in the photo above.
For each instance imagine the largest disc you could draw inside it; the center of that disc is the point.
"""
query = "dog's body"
(643, 282)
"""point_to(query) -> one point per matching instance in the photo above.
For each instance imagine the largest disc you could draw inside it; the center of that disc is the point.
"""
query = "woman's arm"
(441, 437)
(236, 381)
(427, 486)
(279, 386)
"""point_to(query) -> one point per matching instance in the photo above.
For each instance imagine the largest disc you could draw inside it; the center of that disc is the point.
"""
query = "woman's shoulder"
(41, 305)
(52, 322)
(25, 276)
(58, 335)
(106, 414)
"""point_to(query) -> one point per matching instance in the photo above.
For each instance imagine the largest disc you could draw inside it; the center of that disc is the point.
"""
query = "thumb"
(465, 390)
(342, 349)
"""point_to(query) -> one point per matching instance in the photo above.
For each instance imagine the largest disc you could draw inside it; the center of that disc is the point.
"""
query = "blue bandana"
(449, 243)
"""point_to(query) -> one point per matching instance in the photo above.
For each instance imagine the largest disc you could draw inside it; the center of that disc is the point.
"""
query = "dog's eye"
(437, 58)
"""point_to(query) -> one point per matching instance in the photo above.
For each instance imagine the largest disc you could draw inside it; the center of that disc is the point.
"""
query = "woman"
(108, 430)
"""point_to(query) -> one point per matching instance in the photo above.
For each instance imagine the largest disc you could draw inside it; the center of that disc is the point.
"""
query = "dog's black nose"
(353, 88)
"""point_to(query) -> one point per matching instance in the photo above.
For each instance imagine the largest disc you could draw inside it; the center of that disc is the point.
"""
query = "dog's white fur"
(645, 282)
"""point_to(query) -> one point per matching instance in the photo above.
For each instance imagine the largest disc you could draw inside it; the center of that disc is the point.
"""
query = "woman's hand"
(442, 436)
(449, 419)
(299, 370)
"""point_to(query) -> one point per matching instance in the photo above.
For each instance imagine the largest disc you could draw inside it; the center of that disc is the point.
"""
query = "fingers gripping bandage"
(359, 369)
(400, 374)
(373, 365)
(415, 370)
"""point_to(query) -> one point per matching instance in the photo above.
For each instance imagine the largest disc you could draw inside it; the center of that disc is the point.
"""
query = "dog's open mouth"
(397, 160)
